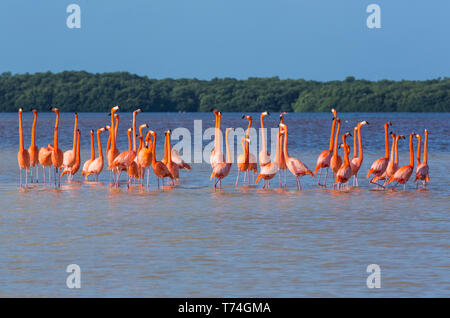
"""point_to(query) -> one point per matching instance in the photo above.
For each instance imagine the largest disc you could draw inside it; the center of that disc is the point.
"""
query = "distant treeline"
(87, 92)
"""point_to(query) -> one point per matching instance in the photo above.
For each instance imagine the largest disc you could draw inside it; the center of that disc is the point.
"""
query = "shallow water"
(192, 241)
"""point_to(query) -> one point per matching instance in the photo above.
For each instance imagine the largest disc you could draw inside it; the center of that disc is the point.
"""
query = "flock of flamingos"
(136, 161)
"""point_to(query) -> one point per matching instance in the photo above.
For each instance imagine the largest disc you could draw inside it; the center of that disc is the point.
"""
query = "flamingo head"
(362, 123)
(334, 112)
(114, 109)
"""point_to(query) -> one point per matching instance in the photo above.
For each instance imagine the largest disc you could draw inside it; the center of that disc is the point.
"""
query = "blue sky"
(315, 39)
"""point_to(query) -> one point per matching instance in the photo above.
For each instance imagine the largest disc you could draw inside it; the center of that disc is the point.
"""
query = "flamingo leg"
(320, 175)
(326, 177)
(285, 177)
(237, 178)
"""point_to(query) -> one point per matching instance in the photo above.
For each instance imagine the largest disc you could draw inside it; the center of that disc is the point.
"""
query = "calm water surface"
(191, 241)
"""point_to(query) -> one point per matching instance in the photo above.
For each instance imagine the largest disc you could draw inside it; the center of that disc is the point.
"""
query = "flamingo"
(422, 171)
(145, 158)
(96, 166)
(179, 161)
(336, 160)
(216, 153)
(45, 159)
(172, 166)
(345, 171)
(108, 128)
(69, 156)
(270, 170)
(33, 150)
(135, 167)
(242, 160)
(295, 166)
(356, 162)
(221, 170)
(71, 171)
(264, 155)
(89, 161)
(282, 159)
(160, 170)
(252, 162)
(325, 156)
(113, 151)
(403, 174)
(23, 157)
(57, 154)
(247, 161)
(393, 160)
(133, 170)
(379, 166)
(124, 160)
(141, 154)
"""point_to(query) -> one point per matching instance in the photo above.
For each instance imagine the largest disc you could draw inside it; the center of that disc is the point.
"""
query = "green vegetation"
(82, 91)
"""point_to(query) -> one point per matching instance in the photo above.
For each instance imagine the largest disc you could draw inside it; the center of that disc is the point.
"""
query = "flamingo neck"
(263, 136)
(134, 131)
(169, 150)
(396, 149)
(116, 128)
(74, 145)
(166, 157)
(355, 153)
(360, 144)
(99, 142)
(92, 146)
(112, 132)
(55, 138)
(227, 147)
(247, 134)
(386, 140)
(20, 132)
(333, 125)
(33, 131)
(411, 151)
(129, 140)
(346, 150)
(394, 138)
(419, 141)
(153, 150)
(286, 154)
(425, 148)
(78, 148)
(335, 151)
(108, 144)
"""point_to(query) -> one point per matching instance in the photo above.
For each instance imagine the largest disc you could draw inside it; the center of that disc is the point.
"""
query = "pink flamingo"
(379, 166)
(325, 156)
(97, 165)
(345, 171)
(422, 171)
(295, 166)
(403, 174)
(356, 162)
(23, 157)
(221, 170)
